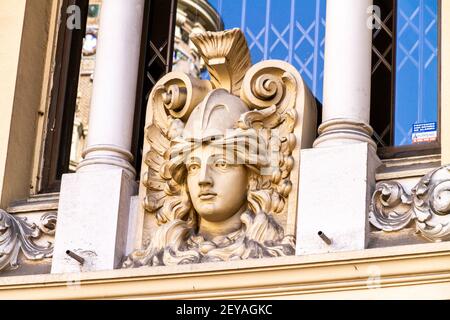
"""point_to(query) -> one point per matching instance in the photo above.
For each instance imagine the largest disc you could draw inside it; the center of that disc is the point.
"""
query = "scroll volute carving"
(427, 206)
(221, 158)
(390, 209)
(276, 86)
(277, 83)
(174, 97)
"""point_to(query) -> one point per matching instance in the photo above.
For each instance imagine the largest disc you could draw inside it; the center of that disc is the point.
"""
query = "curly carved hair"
(176, 240)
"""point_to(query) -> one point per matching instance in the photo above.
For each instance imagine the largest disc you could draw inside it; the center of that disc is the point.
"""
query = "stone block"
(133, 225)
(93, 219)
(336, 184)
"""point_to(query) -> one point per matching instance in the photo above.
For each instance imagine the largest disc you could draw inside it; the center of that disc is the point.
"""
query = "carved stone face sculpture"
(219, 158)
(222, 209)
(217, 187)
(217, 181)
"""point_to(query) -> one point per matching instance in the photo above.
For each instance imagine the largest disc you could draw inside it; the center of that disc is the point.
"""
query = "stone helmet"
(218, 112)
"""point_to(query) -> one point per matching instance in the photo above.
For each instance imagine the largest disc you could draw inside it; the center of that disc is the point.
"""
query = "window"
(57, 145)
(405, 108)
(405, 60)
(416, 99)
(156, 61)
(67, 124)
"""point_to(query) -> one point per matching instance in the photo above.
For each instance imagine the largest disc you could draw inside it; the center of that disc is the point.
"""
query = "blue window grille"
(416, 98)
(289, 30)
(294, 31)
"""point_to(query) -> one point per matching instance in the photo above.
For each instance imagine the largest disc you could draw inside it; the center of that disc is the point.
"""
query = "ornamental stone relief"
(222, 157)
(427, 206)
(18, 235)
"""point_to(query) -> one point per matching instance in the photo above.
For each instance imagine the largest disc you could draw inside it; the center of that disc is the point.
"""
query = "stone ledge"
(409, 167)
(406, 272)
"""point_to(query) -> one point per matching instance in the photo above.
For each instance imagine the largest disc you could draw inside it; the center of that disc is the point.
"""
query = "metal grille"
(382, 73)
(404, 73)
(289, 30)
(156, 61)
(417, 65)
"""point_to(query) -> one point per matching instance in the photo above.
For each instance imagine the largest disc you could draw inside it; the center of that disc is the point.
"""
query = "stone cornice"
(407, 272)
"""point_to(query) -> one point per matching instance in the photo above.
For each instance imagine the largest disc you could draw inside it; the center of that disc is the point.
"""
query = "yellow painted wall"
(12, 15)
(445, 82)
(24, 29)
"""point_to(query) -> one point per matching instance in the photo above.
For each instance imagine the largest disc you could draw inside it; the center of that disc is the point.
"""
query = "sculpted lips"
(206, 195)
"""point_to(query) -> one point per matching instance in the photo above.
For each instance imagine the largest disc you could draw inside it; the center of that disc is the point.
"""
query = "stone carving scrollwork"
(432, 204)
(222, 157)
(390, 209)
(17, 234)
(428, 205)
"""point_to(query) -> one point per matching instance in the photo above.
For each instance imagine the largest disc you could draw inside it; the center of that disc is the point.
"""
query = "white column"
(337, 177)
(347, 74)
(114, 88)
(94, 206)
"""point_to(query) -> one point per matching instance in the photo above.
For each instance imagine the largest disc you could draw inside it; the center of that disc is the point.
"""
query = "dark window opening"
(156, 60)
(63, 101)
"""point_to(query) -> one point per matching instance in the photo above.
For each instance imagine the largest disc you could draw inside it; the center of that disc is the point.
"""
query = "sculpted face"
(218, 188)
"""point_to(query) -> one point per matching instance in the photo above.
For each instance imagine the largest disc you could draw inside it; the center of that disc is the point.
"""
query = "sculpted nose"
(205, 176)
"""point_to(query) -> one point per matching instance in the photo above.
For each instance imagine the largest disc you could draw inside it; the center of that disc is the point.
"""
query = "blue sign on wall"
(424, 132)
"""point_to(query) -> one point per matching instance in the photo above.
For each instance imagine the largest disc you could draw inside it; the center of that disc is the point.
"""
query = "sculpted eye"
(193, 168)
(221, 164)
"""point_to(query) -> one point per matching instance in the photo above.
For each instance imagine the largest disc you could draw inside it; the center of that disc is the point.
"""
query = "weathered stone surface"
(93, 220)
(338, 209)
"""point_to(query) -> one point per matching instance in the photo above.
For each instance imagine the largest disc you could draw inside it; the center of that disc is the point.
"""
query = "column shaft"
(347, 74)
(114, 89)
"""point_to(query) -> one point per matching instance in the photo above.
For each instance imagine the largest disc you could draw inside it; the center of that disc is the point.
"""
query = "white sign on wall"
(424, 132)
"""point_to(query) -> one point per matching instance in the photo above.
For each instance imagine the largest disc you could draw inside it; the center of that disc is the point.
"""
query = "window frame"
(63, 99)
(413, 150)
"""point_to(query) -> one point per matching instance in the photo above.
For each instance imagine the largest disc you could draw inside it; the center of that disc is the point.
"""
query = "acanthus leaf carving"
(18, 235)
(432, 204)
(428, 206)
(390, 209)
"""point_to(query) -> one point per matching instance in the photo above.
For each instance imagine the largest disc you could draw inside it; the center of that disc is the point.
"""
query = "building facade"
(95, 94)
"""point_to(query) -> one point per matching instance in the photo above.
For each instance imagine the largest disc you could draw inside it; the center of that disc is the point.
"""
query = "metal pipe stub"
(75, 257)
(324, 238)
